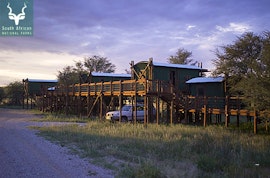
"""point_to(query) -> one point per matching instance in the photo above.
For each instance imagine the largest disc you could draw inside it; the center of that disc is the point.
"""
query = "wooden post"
(101, 102)
(158, 101)
(149, 109)
(171, 104)
(171, 112)
(226, 110)
(145, 110)
(135, 101)
(101, 107)
(255, 121)
(186, 109)
(204, 116)
(80, 101)
(150, 77)
(31, 101)
(205, 112)
(120, 101)
(73, 100)
(88, 97)
(145, 103)
(56, 100)
(50, 98)
(66, 102)
(43, 102)
(133, 109)
(132, 70)
(27, 99)
(238, 112)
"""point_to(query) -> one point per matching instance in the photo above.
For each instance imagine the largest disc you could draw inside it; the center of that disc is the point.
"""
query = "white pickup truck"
(126, 113)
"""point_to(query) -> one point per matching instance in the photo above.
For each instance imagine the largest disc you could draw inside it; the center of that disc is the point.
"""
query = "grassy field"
(132, 150)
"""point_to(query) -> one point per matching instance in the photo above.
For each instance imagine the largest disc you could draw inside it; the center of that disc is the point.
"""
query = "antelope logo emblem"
(16, 18)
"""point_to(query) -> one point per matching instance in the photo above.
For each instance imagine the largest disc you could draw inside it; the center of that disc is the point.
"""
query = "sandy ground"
(24, 154)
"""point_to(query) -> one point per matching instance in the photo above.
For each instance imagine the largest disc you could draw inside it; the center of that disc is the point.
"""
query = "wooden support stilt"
(186, 109)
(266, 125)
(158, 102)
(135, 101)
(27, 100)
(145, 104)
(54, 95)
(120, 101)
(43, 102)
(31, 102)
(171, 112)
(238, 112)
(255, 122)
(66, 101)
(88, 99)
(145, 111)
(205, 112)
(227, 114)
(91, 109)
(204, 116)
(101, 107)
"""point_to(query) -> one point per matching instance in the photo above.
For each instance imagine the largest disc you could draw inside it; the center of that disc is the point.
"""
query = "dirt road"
(24, 154)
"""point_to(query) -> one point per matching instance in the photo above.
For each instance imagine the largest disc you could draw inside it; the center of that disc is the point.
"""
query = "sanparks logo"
(16, 17)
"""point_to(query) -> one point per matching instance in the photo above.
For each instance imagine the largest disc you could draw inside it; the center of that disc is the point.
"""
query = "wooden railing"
(126, 87)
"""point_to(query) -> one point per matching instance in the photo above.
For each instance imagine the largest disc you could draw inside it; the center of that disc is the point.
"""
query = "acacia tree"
(182, 56)
(72, 74)
(2, 94)
(14, 93)
(246, 65)
(68, 76)
(99, 64)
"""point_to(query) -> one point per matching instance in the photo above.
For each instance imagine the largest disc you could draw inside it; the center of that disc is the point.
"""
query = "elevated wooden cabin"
(212, 88)
(207, 86)
(176, 74)
(36, 87)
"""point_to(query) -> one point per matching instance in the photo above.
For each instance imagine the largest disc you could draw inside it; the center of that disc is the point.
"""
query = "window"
(172, 77)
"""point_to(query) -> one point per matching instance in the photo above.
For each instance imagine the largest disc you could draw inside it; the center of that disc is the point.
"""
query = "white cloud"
(237, 28)
(37, 65)
(189, 27)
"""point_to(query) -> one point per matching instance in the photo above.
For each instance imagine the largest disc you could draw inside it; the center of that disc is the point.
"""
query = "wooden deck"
(81, 96)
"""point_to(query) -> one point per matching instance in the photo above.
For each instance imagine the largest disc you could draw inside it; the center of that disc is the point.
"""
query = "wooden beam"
(90, 111)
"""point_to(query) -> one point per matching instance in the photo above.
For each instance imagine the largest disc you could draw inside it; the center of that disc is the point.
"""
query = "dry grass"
(167, 151)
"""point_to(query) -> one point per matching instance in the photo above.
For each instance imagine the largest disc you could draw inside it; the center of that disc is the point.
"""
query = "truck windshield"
(126, 108)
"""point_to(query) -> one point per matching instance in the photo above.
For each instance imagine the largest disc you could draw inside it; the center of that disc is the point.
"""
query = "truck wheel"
(124, 119)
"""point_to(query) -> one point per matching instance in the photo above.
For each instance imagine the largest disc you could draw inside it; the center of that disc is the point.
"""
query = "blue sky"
(126, 30)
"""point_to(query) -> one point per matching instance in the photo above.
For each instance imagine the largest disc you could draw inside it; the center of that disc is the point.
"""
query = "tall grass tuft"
(167, 151)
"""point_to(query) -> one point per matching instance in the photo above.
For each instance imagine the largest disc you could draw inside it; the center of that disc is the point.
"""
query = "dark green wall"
(181, 75)
(209, 89)
(35, 88)
(108, 78)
